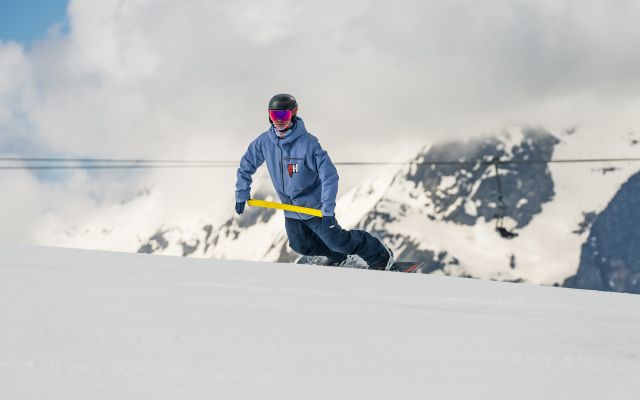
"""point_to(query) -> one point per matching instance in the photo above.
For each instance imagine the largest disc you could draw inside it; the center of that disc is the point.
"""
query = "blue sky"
(28, 20)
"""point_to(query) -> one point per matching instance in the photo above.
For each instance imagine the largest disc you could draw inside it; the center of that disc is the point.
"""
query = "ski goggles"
(280, 115)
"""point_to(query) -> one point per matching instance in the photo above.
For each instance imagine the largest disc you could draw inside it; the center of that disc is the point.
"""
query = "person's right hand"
(329, 222)
(240, 207)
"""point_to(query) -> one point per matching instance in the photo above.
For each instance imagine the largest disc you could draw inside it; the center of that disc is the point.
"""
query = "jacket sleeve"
(329, 178)
(252, 159)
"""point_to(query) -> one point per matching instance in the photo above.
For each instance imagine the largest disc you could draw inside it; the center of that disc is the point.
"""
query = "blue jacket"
(301, 171)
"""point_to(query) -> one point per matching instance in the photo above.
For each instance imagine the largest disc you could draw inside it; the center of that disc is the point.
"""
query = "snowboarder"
(303, 175)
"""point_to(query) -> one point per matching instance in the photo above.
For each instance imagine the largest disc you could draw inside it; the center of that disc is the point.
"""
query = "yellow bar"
(286, 207)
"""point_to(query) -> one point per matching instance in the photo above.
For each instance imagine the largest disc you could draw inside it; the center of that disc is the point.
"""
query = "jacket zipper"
(281, 167)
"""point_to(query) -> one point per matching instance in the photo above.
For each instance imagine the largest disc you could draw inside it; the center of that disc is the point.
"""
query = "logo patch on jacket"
(293, 169)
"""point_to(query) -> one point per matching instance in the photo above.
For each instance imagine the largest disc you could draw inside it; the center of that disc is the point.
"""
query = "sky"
(29, 20)
(374, 80)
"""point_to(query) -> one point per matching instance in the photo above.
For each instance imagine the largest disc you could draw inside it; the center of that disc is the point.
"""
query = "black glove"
(240, 207)
(329, 222)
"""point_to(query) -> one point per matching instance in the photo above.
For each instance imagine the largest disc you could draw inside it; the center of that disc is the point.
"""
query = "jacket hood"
(297, 131)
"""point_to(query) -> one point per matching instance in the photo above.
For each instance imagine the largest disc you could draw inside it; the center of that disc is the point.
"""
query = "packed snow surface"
(78, 324)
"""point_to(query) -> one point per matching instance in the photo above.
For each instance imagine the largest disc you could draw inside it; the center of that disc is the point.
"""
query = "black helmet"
(283, 101)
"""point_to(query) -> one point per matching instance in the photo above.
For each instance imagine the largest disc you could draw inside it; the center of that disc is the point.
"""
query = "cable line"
(134, 166)
(492, 161)
(112, 163)
(110, 160)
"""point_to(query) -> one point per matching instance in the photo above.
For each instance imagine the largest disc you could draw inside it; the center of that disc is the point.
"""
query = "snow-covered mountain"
(566, 215)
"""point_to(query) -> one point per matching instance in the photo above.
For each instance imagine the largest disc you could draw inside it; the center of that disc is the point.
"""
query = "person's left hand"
(329, 221)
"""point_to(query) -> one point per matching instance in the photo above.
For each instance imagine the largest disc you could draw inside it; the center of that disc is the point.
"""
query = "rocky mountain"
(610, 258)
(467, 193)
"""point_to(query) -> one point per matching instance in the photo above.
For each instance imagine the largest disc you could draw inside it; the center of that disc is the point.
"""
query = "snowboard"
(398, 266)
(407, 266)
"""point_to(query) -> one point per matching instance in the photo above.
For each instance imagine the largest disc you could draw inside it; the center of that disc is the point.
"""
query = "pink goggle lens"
(280, 115)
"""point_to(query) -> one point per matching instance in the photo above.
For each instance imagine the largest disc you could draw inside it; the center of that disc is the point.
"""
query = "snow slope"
(80, 324)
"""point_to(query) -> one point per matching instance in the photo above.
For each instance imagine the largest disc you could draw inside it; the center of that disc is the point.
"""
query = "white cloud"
(190, 79)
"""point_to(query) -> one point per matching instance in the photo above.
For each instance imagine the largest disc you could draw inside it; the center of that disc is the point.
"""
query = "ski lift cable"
(112, 163)
(111, 160)
(133, 166)
(494, 161)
